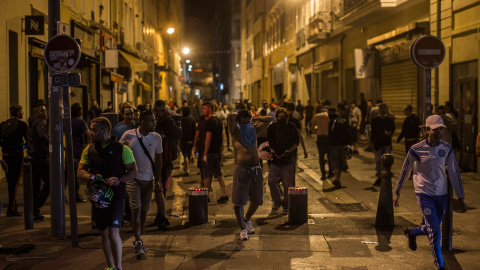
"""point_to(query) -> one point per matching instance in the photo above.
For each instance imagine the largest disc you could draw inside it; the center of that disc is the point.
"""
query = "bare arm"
(158, 172)
(477, 148)
(197, 133)
(208, 139)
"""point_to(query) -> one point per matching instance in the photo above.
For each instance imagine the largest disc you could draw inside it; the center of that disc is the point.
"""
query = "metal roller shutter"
(399, 87)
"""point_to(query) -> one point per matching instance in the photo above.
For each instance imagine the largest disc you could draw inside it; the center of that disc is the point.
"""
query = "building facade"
(126, 52)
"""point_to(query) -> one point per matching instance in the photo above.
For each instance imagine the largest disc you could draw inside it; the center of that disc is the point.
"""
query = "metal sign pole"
(57, 205)
(69, 166)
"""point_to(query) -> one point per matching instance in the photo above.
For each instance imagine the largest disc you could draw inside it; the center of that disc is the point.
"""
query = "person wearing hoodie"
(37, 148)
(13, 132)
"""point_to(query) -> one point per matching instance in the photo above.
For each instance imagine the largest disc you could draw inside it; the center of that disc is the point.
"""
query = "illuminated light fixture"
(188, 61)
(237, 65)
(170, 30)
(190, 66)
(186, 50)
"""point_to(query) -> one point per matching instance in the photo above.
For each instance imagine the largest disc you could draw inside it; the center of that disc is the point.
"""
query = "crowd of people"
(136, 155)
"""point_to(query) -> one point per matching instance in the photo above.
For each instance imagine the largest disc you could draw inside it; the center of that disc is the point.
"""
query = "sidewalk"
(334, 238)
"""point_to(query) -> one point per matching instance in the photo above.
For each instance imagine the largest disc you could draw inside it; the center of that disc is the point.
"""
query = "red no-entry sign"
(62, 53)
(428, 52)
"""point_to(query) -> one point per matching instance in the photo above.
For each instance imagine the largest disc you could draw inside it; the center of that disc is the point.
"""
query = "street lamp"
(186, 50)
(170, 30)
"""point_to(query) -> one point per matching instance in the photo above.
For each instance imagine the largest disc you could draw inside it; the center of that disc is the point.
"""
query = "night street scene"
(239, 134)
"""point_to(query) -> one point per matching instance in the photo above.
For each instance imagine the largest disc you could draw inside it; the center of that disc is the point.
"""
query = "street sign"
(62, 53)
(428, 52)
(35, 25)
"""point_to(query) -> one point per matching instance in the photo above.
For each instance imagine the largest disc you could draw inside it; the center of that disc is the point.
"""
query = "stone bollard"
(297, 205)
(385, 200)
(28, 193)
(197, 206)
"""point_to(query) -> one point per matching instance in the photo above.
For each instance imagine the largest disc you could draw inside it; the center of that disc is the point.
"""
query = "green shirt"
(127, 155)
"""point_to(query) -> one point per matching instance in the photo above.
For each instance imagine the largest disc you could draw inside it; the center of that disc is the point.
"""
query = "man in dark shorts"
(114, 163)
(187, 139)
(247, 177)
(213, 151)
(337, 139)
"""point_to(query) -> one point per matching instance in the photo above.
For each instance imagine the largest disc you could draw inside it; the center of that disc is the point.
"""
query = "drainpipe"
(439, 35)
(340, 69)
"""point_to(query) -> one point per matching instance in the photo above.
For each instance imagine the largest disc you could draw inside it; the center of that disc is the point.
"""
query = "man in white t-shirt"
(149, 168)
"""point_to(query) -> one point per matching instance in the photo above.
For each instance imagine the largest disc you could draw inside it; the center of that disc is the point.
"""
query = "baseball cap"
(434, 121)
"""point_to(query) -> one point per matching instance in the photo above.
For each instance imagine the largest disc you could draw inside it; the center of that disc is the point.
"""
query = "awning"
(136, 64)
(115, 77)
(146, 86)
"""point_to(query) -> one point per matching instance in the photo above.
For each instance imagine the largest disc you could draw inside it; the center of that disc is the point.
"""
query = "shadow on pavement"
(383, 238)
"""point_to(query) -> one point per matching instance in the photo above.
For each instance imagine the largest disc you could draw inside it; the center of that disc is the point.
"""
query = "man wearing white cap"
(430, 184)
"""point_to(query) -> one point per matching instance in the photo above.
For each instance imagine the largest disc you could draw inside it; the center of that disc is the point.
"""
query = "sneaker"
(337, 184)
(38, 217)
(80, 199)
(285, 210)
(109, 268)
(161, 221)
(412, 240)
(275, 208)
(378, 182)
(139, 251)
(223, 199)
(244, 235)
(13, 213)
(249, 227)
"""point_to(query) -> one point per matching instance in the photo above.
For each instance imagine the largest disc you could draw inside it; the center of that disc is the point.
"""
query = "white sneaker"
(249, 227)
(244, 235)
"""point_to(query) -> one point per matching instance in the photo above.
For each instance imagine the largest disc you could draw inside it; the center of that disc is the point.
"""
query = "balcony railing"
(350, 5)
(319, 27)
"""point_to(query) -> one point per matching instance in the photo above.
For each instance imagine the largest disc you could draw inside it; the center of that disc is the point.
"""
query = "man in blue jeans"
(430, 183)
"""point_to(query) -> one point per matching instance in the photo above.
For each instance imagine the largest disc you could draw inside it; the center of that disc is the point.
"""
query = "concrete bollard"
(197, 206)
(28, 193)
(297, 205)
(385, 206)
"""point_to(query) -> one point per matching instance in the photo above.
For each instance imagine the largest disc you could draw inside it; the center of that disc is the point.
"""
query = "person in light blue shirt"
(127, 123)
(430, 183)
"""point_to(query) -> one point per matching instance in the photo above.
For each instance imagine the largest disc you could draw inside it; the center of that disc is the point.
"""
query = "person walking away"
(368, 127)
(222, 115)
(283, 140)
(146, 146)
(171, 134)
(80, 131)
(410, 128)
(308, 117)
(383, 128)
(450, 123)
(94, 111)
(13, 135)
(321, 122)
(248, 176)
(213, 151)
(109, 108)
(187, 139)
(355, 118)
(337, 140)
(38, 149)
(363, 109)
(429, 160)
(452, 113)
(108, 159)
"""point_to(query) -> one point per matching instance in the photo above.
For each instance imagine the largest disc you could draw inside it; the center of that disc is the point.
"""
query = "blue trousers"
(432, 207)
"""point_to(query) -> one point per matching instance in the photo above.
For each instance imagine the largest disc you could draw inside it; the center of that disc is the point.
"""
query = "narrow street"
(340, 232)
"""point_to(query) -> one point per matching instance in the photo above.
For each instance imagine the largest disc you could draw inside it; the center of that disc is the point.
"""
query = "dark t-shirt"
(12, 133)
(79, 126)
(188, 129)
(295, 122)
(309, 111)
(283, 142)
(379, 127)
(202, 129)
(215, 126)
